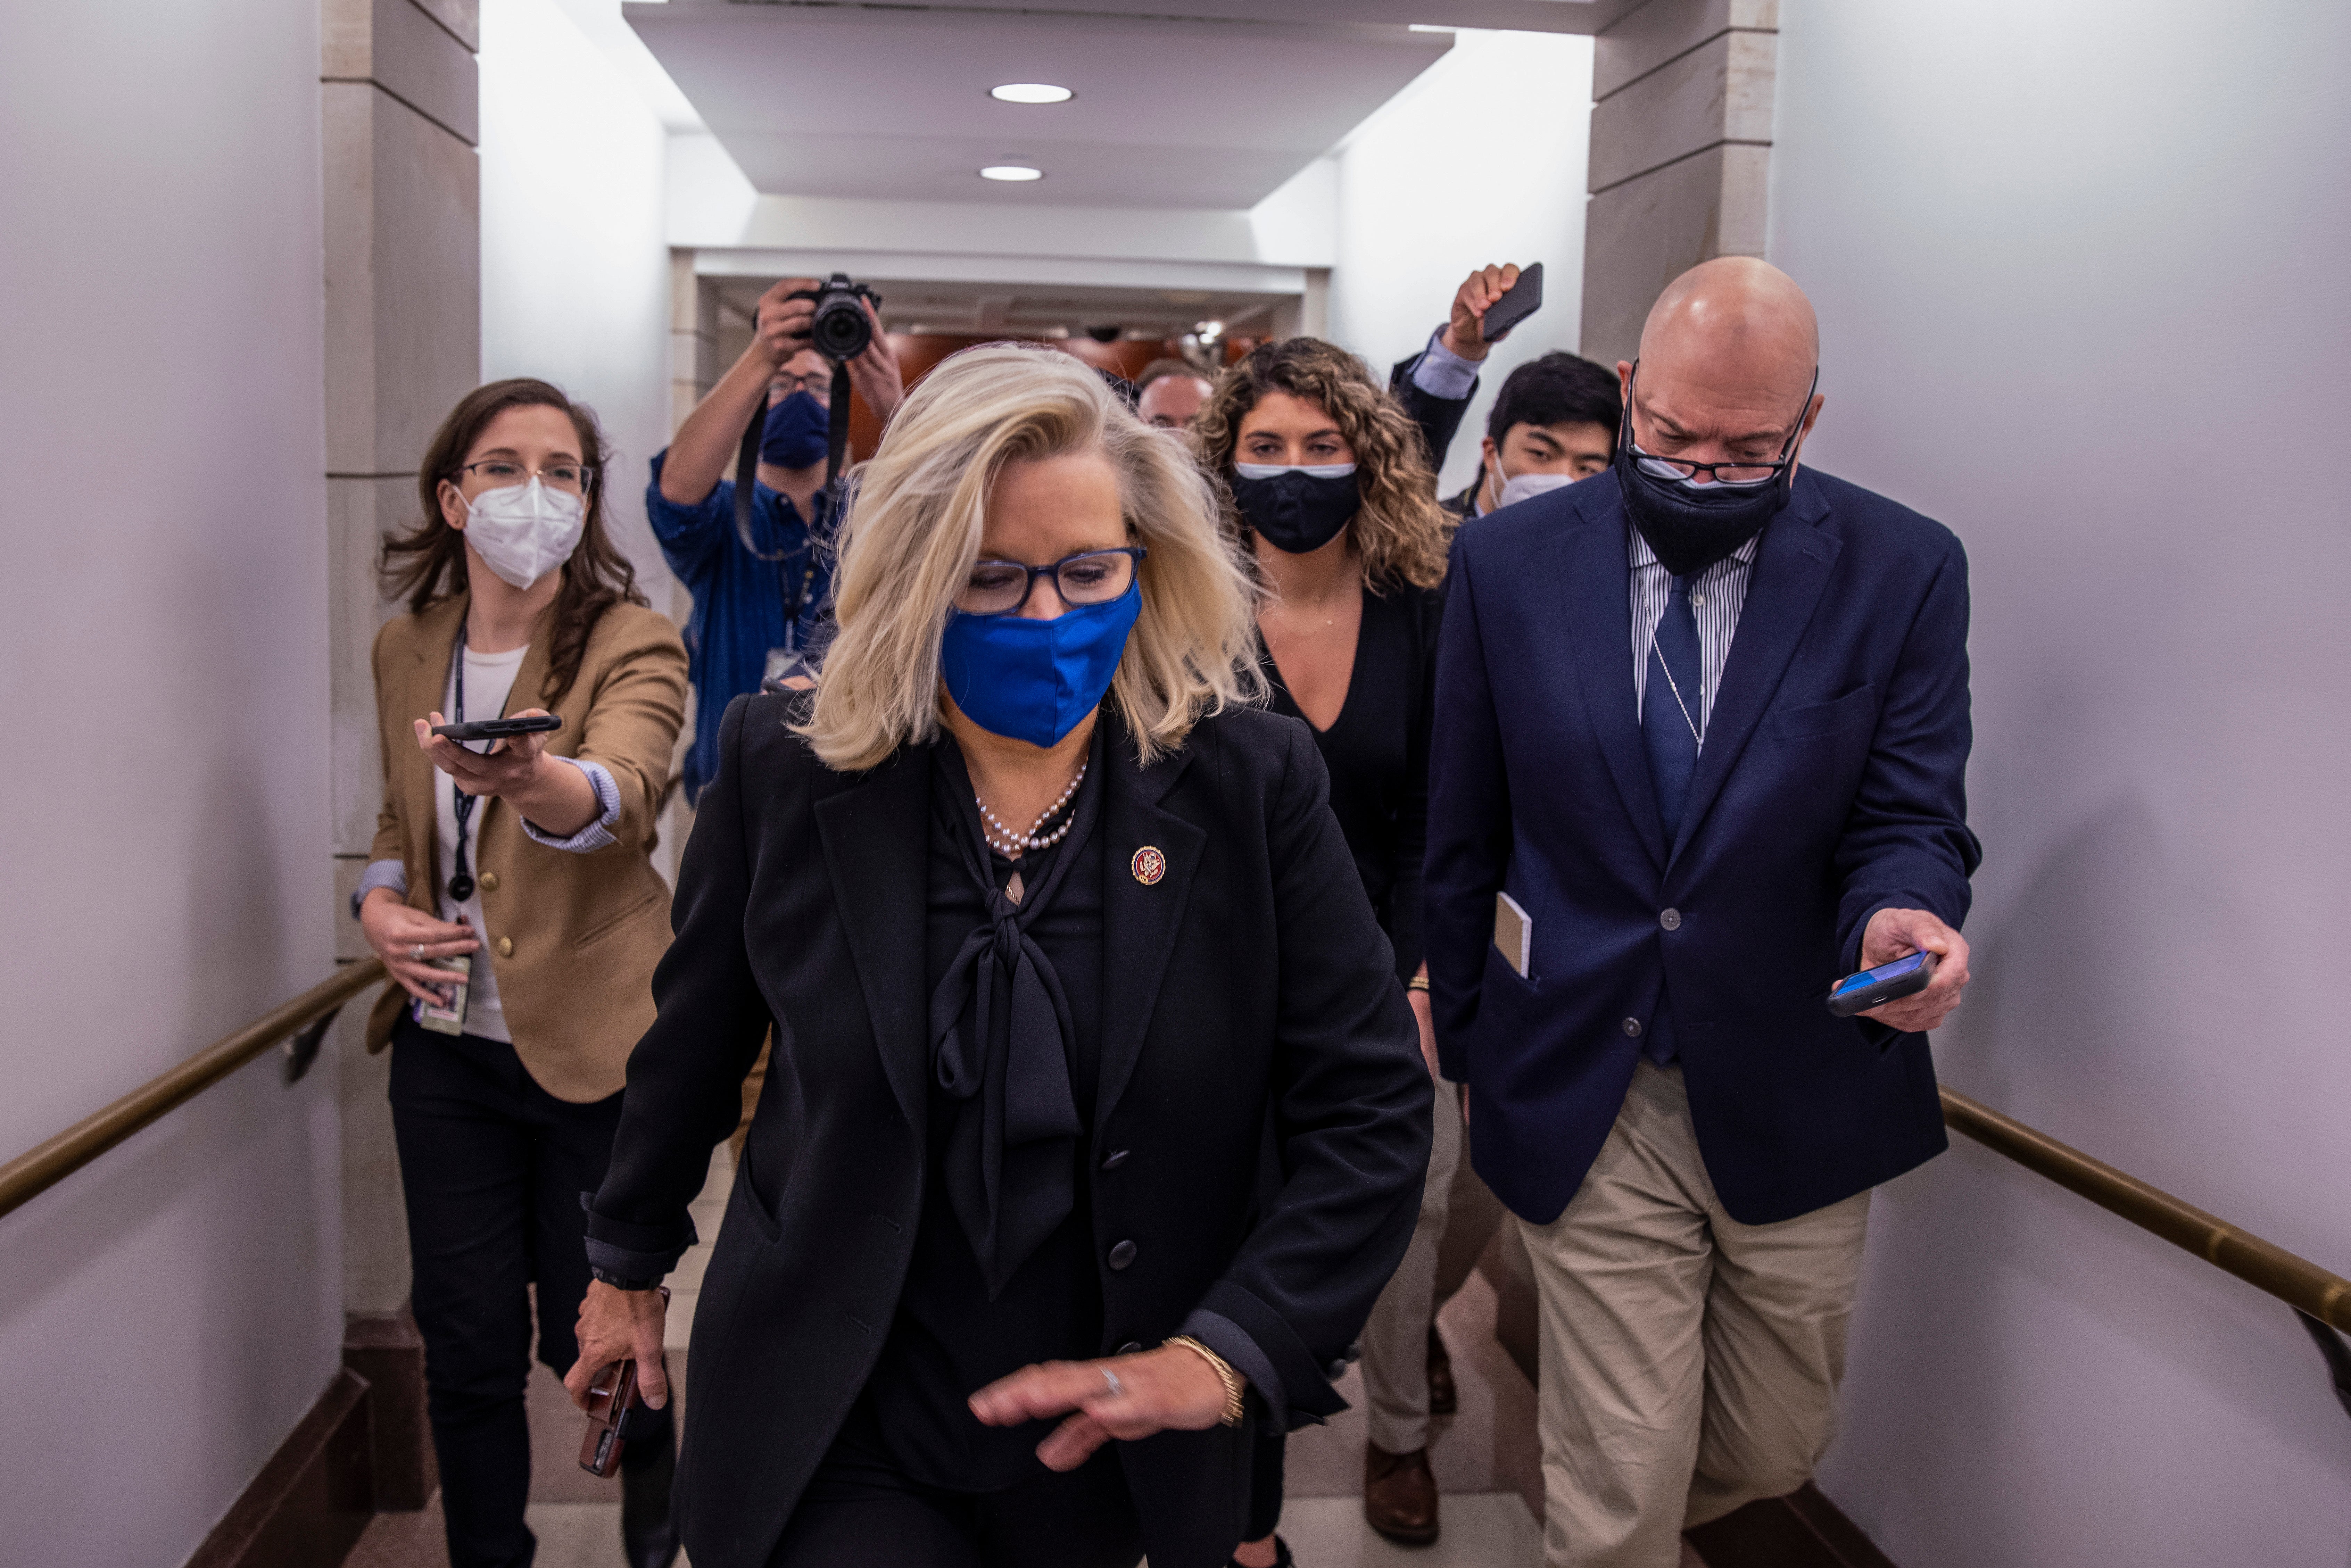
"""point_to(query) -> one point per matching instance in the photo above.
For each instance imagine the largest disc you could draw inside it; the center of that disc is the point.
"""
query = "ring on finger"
(416, 952)
(1117, 1389)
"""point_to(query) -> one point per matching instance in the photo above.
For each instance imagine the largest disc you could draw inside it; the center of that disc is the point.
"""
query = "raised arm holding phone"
(1434, 386)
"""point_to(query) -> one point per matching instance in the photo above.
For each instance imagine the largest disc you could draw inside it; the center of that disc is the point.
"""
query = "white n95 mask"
(1526, 487)
(522, 532)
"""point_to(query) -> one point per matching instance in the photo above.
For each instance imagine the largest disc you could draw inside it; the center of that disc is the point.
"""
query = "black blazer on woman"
(1249, 1000)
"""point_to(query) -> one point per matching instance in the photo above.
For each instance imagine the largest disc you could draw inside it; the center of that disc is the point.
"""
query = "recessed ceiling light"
(1011, 172)
(1030, 92)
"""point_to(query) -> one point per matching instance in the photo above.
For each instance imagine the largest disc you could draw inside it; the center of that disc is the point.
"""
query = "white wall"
(575, 261)
(2080, 271)
(1481, 160)
(171, 1312)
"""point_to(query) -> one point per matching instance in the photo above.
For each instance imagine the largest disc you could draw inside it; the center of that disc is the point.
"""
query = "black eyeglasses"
(1746, 471)
(1092, 577)
(818, 384)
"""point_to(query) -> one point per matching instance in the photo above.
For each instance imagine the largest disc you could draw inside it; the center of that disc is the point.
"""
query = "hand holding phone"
(617, 1412)
(501, 728)
(1859, 992)
(1894, 933)
(1491, 301)
(1524, 299)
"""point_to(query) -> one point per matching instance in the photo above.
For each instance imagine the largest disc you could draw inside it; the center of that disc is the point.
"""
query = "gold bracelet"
(1225, 1374)
(1417, 983)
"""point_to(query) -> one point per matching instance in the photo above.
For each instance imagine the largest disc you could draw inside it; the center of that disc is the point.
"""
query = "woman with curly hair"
(1326, 485)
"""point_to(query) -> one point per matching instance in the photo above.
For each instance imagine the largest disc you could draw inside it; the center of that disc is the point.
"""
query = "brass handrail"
(42, 1167)
(2297, 1281)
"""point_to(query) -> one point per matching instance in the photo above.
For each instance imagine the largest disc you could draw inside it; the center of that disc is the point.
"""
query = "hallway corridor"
(1484, 1456)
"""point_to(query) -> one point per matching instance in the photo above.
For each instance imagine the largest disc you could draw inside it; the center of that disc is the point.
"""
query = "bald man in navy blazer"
(1701, 737)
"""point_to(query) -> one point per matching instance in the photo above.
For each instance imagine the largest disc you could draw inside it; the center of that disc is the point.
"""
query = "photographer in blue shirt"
(761, 594)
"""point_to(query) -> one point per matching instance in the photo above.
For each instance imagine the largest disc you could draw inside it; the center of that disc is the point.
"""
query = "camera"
(842, 328)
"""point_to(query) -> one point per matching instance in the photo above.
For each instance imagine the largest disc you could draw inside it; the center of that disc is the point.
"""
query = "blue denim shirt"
(741, 603)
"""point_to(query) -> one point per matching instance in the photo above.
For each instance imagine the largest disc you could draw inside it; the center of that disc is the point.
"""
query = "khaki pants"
(1690, 1363)
(1395, 1340)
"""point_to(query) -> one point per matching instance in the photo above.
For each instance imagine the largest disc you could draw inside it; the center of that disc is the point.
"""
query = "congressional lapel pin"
(1148, 865)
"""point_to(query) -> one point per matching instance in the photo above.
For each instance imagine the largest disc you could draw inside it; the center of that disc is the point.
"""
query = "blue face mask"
(798, 433)
(1036, 680)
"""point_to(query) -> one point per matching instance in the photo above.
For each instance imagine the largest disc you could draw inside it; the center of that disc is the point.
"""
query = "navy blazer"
(1832, 786)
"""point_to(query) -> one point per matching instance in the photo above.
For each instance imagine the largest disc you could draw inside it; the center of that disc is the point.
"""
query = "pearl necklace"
(1009, 842)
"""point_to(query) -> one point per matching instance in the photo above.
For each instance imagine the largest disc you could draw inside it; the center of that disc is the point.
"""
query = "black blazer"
(1439, 418)
(1250, 996)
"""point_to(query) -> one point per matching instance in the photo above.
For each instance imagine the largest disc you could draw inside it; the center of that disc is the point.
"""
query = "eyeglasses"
(497, 473)
(1747, 472)
(818, 384)
(1094, 576)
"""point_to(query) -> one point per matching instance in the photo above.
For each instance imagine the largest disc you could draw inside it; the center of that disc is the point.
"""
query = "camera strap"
(746, 457)
(837, 440)
(747, 479)
(461, 880)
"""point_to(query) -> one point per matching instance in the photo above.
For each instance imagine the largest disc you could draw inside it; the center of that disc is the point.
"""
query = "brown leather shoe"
(1400, 1495)
(1444, 1399)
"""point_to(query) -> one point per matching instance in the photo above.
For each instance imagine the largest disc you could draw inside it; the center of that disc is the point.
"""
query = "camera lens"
(842, 330)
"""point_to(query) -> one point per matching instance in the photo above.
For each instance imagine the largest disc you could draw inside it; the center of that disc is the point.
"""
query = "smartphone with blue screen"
(1905, 976)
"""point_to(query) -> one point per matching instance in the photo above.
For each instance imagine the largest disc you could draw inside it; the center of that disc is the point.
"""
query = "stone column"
(400, 111)
(693, 370)
(1681, 154)
(692, 337)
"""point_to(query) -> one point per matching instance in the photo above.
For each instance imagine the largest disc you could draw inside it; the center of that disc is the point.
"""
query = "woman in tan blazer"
(523, 864)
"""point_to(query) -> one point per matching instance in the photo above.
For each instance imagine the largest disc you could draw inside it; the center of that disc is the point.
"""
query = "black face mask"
(1691, 527)
(1298, 512)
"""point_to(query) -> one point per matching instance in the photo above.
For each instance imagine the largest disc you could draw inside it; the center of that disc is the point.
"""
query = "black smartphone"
(499, 728)
(1905, 976)
(1524, 299)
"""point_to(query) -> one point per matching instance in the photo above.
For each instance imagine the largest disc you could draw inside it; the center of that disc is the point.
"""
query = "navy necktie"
(1671, 715)
(1672, 718)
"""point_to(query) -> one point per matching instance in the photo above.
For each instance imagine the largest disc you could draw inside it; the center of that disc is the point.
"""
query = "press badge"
(1514, 933)
(451, 1019)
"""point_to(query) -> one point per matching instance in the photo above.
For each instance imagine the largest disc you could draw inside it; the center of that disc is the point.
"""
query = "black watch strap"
(619, 1282)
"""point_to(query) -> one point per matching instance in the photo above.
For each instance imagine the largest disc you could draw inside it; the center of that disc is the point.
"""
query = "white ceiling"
(892, 103)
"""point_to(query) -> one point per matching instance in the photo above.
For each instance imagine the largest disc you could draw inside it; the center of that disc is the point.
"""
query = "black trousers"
(1266, 1481)
(861, 1507)
(492, 1167)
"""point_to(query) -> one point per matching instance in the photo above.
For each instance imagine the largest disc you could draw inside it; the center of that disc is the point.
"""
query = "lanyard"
(461, 883)
(747, 478)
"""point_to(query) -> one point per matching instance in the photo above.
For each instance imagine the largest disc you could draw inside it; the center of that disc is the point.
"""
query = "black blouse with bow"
(1003, 1274)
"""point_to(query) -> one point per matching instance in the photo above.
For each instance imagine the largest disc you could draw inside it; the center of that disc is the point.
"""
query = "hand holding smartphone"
(616, 1406)
(1524, 299)
(1859, 992)
(501, 728)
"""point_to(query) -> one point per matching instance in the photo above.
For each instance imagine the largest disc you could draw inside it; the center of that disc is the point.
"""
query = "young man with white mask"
(525, 860)
(1568, 405)
(1554, 422)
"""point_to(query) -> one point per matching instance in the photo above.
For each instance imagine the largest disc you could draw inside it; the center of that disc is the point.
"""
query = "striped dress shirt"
(1717, 596)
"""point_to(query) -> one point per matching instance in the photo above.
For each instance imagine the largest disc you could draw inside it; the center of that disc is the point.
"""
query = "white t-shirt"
(488, 678)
